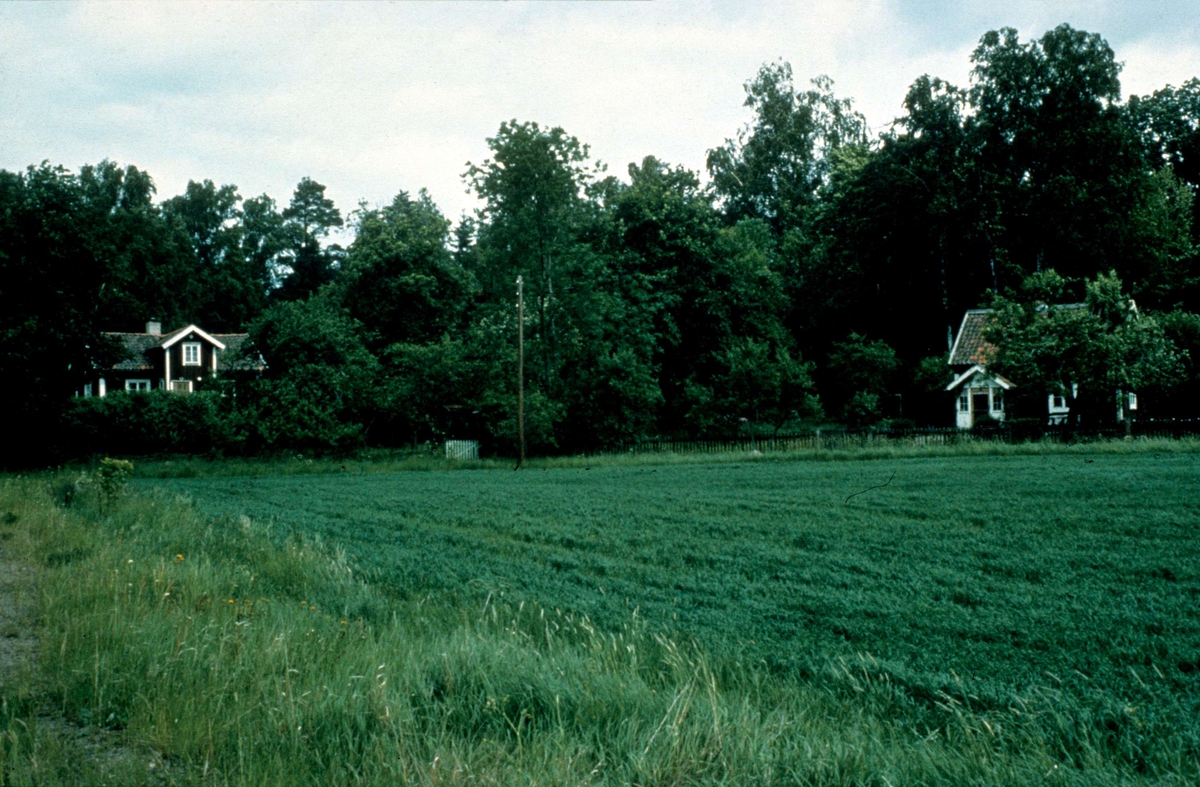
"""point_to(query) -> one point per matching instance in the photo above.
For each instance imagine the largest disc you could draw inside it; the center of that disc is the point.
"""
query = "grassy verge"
(237, 659)
(198, 467)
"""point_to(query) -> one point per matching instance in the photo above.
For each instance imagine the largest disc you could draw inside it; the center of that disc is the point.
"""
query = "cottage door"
(979, 405)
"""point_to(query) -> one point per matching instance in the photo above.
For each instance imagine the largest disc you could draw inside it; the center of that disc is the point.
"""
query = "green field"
(1025, 617)
(1064, 572)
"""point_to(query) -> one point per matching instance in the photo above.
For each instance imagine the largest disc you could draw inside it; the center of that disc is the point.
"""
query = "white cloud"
(371, 98)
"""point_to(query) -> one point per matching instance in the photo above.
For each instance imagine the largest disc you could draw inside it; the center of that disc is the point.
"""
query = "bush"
(110, 477)
(1027, 428)
(862, 410)
(148, 423)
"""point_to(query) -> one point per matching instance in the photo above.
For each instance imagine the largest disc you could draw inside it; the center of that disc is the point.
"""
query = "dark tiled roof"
(136, 346)
(970, 347)
(232, 357)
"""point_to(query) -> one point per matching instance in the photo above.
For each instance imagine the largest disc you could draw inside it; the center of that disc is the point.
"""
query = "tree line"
(819, 274)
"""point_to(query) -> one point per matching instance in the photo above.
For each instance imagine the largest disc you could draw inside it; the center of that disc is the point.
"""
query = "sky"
(374, 97)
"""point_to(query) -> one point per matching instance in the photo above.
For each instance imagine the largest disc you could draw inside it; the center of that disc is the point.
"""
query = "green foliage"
(310, 215)
(53, 275)
(756, 384)
(656, 306)
(111, 476)
(1168, 123)
(1182, 330)
(319, 389)
(146, 257)
(433, 390)
(933, 374)
(774, 168)
(399, 279)
(150, 423)
(223, 285)
(1099, 347)
(306, 220)
(531, 187)
(926, 400)
(862, 372)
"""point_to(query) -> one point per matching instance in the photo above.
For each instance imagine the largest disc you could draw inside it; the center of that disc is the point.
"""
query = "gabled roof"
(969, 346)
(138, 345)
(979, 368)
(175, 336)
(233, 359)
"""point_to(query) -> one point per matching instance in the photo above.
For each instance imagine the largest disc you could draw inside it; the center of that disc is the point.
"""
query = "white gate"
(462, 449)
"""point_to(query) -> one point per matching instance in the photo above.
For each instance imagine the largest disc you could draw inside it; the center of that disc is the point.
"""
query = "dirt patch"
(18, 622)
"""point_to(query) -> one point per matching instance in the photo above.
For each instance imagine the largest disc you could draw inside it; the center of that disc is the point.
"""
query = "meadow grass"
(235, 650)
(386, 461)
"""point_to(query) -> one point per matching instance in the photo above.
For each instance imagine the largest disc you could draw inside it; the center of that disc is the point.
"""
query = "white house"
(175, 361)
(980, 393)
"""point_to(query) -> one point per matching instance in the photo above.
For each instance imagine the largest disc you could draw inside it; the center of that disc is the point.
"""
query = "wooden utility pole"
(521, 367)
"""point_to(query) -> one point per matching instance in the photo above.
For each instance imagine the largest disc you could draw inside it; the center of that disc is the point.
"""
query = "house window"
(997, 400)
(137, 385)
(1132, 401)
(964, 404)
(87, 389)
(181, 386)
(191, 354)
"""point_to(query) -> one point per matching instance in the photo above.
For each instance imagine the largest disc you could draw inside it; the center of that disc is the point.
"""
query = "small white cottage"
(980, 393)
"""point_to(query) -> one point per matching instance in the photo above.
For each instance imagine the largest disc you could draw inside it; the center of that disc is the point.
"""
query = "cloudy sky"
(373, 97)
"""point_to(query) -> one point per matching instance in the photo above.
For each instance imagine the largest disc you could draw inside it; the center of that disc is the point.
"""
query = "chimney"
(154, 328)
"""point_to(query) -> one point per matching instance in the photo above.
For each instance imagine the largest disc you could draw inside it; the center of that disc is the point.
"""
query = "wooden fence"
(821, 439)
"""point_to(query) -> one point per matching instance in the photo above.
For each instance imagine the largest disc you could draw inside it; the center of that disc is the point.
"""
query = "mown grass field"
(981, 620)
(1066, 570)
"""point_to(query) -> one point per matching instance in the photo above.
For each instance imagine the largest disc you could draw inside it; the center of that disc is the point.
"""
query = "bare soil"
(18, 620)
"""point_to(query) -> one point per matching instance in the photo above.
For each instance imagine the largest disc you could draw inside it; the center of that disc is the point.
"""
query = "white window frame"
(189, 347)
(177, 382)
(997, 399)
(136, 385)
(964, 402)
(1132, 400)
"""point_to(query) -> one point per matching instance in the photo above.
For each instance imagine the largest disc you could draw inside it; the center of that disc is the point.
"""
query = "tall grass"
(235, 659)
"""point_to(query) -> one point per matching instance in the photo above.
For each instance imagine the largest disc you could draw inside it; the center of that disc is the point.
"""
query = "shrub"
(149, 423)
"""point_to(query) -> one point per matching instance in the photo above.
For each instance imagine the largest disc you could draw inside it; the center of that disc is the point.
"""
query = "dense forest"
(817, 274)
